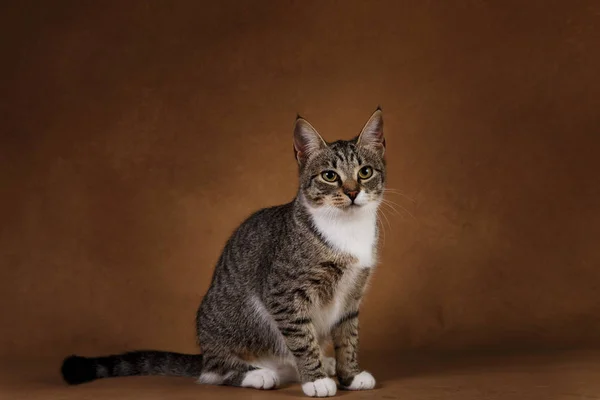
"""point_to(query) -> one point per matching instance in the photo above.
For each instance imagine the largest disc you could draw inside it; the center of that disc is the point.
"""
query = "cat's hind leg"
(233, 372)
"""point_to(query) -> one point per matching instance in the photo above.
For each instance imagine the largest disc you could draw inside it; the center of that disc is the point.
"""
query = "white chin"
(358, 207)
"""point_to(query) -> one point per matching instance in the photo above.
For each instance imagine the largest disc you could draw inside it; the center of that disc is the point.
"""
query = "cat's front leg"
(345, 343)
(294, 323)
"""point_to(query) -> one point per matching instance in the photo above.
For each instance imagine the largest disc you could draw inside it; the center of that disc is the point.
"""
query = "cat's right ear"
(306, 140)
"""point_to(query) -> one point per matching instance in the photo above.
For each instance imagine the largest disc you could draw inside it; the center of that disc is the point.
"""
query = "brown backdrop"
(136, 135)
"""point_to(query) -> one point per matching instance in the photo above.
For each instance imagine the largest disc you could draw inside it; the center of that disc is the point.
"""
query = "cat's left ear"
(306, 140)
(372, 133)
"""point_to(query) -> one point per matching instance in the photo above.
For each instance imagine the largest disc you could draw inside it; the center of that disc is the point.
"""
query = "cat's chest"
(355, 236)
(326, 313)
(349, 236)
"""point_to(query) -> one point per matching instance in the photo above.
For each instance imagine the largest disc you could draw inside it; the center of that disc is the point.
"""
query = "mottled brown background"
(136, 135)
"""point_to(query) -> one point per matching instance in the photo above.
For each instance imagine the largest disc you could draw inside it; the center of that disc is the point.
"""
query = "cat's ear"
(372, 133)
(306, 140)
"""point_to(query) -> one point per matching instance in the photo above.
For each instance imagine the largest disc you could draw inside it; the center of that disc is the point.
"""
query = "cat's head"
(342, 176)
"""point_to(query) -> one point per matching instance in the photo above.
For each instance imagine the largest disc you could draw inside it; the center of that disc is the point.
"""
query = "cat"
(289, 280)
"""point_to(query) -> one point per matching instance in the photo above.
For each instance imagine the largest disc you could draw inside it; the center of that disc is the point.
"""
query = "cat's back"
(266, 224)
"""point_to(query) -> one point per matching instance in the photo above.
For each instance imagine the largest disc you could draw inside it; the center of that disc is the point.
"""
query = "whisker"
(388, 201)
(395, 191)
(380, 223)
(391, 207)
(391, 204)
(386, 219)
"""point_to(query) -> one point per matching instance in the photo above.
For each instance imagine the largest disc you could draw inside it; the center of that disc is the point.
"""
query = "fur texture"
(289, 279)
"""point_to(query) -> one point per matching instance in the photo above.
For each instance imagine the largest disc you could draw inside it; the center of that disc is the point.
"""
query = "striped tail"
(76, 369)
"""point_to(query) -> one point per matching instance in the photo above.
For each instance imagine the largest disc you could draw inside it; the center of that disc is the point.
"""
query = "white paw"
(261, 379)
(329, 365)
(362, 381)
(324, 387)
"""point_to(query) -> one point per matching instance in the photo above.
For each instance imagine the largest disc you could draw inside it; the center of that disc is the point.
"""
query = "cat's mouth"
(351, 206)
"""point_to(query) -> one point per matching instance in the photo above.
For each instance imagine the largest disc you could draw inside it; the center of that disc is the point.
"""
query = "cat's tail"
(77, 369)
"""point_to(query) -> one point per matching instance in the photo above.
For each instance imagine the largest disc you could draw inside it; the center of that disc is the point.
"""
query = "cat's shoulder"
(267, 218)
(278, 211)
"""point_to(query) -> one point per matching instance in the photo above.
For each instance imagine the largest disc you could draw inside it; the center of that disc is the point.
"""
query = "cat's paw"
(324, 387)
(362, 381)
(262, 378)
(329, 365)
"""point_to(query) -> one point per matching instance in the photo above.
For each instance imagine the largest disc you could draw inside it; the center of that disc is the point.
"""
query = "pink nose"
(352, 194)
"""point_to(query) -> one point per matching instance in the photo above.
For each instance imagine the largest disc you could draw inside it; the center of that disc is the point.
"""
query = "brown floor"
(566, 375)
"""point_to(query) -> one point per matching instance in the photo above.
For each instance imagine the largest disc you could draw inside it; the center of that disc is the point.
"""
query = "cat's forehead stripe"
(346, 152)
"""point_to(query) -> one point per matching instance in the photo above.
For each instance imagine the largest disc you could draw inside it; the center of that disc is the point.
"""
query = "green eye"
(365, 172)
(329, 176)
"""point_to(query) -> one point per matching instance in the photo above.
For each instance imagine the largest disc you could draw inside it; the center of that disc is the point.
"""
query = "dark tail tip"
(76, 370)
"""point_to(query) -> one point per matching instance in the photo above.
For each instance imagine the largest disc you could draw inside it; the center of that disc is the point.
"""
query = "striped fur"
(290, 279)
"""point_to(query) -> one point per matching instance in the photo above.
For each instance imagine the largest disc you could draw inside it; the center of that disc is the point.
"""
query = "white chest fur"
(351, 232)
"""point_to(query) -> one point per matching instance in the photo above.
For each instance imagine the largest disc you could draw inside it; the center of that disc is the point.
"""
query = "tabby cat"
(290, 279)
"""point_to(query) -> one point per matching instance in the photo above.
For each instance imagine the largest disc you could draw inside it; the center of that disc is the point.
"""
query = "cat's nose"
(351, 194)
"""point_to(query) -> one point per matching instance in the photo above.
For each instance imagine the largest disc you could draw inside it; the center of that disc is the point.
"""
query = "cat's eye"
(329, 176)
(365, 172)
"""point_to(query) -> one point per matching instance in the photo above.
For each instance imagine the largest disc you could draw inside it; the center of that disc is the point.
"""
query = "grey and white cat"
(290, 279)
